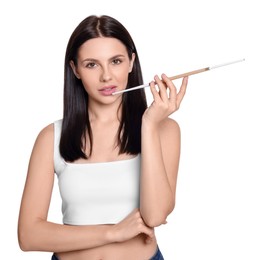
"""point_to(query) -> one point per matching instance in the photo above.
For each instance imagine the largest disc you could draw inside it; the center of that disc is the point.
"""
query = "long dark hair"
(76, 128)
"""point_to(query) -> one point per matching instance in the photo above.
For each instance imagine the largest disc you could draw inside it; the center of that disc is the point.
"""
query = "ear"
(73, 66)
(132, 62)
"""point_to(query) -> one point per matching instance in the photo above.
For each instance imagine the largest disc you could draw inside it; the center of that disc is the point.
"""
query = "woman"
(116, 159)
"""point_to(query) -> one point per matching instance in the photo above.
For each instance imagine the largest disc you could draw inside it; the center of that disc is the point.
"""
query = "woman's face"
(103, 66)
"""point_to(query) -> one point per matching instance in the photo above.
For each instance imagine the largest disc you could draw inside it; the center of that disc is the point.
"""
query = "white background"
(217, 210)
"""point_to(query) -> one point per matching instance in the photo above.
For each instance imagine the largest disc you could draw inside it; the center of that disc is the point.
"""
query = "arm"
(160, 150)
(35, 233)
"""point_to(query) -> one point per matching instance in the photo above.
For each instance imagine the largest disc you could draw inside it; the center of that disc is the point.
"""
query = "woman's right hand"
(130, 227)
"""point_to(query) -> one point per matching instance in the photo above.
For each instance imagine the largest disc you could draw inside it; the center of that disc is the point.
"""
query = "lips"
(107, 90)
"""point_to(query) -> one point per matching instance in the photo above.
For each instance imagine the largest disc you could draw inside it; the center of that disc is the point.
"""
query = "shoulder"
(48, 132)
(45, 138)
(170, 138)
(43, 149)
(169, 128)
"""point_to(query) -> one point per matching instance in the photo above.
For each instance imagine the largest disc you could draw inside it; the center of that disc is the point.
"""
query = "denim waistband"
(54, 257)
(157, 256)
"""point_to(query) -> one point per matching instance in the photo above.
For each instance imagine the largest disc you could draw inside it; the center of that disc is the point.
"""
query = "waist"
(135, 248)
(97, 213)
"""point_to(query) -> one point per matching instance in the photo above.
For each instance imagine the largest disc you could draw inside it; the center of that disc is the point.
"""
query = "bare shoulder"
(169, 129)
(41, 160)
(45, 139)
(47, 131)
(170, 139)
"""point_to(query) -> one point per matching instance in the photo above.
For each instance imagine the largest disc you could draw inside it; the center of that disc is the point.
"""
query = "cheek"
(88, 82)
(87, 85)
(123, 76)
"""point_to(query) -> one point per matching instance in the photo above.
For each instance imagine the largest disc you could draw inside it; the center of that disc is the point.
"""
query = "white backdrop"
(217, 209)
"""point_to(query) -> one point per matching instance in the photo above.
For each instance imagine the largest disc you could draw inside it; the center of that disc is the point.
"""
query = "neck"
(104, 113)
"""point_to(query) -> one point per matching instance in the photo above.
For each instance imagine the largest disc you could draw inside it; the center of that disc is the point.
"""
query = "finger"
(148, 231)
(182, 91)
(154, 92)
(171, 86)
(162, 88)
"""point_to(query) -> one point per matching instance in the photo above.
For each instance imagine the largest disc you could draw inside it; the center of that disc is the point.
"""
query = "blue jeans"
(156, 256)
(54, 257)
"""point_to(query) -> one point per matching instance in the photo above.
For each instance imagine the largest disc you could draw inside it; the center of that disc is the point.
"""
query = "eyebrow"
(112, 58)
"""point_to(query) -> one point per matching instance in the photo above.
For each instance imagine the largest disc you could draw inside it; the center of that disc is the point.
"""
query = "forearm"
(51, 237)
(156, 198)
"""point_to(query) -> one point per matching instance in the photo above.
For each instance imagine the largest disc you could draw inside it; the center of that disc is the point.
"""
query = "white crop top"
(96, 193)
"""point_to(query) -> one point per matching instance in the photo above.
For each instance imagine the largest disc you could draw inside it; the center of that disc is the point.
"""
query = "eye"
(116, 61)
(90, 65)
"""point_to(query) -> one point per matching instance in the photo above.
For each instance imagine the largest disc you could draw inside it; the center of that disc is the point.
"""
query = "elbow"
(154, 222)
(158, 218)
(25, 240)
(23, 243)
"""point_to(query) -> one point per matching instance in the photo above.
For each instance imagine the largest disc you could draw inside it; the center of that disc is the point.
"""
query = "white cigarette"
(180, 76)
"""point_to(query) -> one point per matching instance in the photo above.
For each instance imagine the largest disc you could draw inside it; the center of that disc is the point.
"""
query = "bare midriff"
(135, 248)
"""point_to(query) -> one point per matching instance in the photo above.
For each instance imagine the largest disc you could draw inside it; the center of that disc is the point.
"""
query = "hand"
(130, 227)
(164, 103)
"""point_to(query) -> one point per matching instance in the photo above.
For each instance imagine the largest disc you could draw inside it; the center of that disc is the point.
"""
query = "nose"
(106, 74)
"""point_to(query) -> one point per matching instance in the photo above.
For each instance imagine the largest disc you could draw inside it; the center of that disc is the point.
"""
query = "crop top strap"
(59, 163)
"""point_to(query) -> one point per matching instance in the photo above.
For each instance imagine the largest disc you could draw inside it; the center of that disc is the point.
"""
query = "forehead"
(101, 48)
